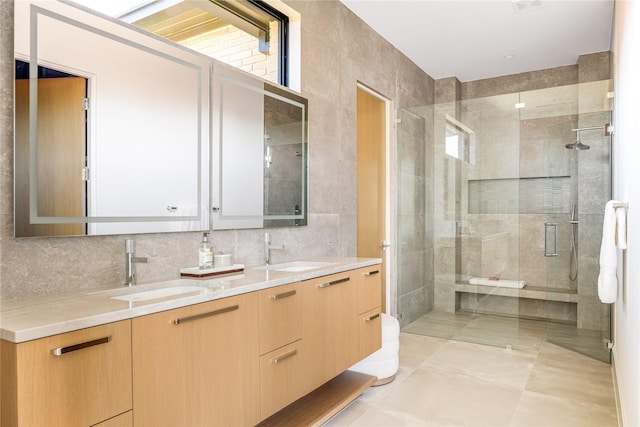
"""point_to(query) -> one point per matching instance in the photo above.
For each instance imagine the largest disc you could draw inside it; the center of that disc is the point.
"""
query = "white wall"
(626, 351)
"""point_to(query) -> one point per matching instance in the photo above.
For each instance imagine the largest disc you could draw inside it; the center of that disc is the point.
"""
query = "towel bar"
(620, 205)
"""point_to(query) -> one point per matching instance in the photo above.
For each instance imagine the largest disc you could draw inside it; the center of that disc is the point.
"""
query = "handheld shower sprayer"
(573, 255)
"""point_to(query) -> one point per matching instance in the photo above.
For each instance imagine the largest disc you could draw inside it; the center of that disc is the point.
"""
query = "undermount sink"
(182, 291)
(297, 266)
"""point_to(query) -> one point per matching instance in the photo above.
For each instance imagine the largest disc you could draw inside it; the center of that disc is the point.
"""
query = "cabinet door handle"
(371, 273)
(68, 349)
(370, 318)
(283, 295)
(285, 356)
(334, 282)
(203, 315)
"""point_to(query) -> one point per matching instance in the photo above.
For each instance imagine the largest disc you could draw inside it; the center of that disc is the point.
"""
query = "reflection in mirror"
(61, 151)
(260, 143)
(285, 158)
(119, 148)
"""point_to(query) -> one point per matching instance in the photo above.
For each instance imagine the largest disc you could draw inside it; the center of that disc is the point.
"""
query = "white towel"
(501, 283)
(621, 230)
(613, 233)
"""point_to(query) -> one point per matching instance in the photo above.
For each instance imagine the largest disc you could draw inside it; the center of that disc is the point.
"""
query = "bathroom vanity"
(233, 350)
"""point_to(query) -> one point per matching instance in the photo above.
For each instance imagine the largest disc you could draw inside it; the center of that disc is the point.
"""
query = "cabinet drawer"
(77, 378)
(280, 378)
(369, 288)
(370, 332)
(280, 316)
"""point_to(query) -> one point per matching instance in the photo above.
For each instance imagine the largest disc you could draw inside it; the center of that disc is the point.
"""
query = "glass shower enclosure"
(500, 216)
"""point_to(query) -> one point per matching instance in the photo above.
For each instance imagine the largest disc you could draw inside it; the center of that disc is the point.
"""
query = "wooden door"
(372, 179)
(61, 155)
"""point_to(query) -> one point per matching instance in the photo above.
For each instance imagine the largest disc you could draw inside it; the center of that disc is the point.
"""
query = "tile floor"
(501, 331)
(444, 382)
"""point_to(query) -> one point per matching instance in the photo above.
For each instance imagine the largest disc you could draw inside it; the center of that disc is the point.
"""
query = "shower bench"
(534, 302)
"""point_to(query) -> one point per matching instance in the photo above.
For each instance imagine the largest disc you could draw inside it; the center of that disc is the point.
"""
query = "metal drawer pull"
(283, 295)
(371, 273)
(335, 282)
(284, 356)
(63, 350)
(203, 315)
(370, 318)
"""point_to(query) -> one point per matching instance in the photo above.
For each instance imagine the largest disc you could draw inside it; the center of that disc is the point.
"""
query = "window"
(459, 141)
(248, 34)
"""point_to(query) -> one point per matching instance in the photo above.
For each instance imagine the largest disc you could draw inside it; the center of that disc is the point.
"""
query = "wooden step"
(319, 406)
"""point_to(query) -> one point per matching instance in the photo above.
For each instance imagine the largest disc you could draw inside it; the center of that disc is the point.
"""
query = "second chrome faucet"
(268, 247)
(130, 260)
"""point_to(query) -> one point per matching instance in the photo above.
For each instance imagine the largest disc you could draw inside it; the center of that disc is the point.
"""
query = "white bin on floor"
(384, 363)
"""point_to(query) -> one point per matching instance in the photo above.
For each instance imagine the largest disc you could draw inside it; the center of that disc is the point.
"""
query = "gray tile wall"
(338, 51)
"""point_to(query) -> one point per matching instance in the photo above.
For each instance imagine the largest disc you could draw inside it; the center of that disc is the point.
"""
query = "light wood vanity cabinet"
(370, 332)
(198, 365)
(280, 316)
(281, 374)
(80, 378)
(369, 288)
(281, 349)
(330, 326)
(231, 361)
(370, 309)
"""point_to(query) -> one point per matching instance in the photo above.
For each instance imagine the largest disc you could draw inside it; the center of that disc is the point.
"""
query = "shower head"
(578, 146)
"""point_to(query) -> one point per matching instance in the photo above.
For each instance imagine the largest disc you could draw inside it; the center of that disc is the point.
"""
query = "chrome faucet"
(268, 247)
(130, 259)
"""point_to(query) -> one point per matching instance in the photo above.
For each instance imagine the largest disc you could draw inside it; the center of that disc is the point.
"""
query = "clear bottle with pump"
(205, 253)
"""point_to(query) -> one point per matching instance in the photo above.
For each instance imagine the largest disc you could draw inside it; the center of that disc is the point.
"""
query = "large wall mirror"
(114, 129)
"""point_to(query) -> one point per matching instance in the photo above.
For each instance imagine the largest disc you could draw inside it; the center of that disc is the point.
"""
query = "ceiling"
(474, 39)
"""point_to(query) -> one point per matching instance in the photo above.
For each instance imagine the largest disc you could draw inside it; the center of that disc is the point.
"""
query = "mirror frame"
(229, 81)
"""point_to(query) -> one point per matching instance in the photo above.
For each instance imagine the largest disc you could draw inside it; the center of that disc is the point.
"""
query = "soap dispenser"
(205, 253)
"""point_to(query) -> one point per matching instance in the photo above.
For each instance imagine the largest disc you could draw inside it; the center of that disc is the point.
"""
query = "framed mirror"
(149, 136)
(111, 127)
(260, 145)
(285, 146)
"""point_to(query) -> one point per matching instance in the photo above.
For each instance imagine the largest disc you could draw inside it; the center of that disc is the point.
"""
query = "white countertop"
(32, 318)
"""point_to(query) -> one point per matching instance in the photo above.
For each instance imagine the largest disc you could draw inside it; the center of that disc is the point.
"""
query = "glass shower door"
(576, 187)
(470, 183)
(486, 231)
